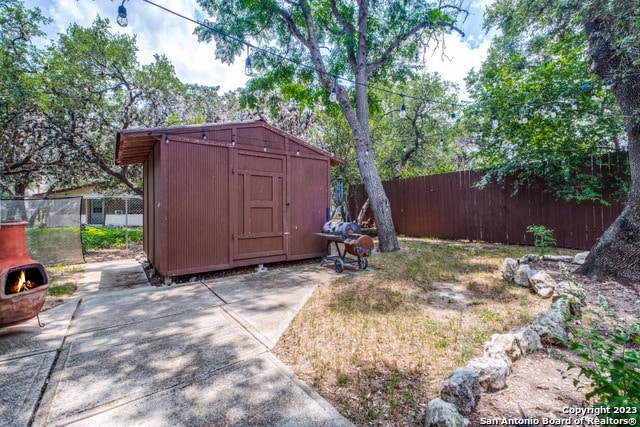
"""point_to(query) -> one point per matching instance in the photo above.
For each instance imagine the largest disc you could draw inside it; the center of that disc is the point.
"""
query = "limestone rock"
(442, 414)
(550, 325)
(560, 258)
(523, 274)
(574, 293)
(509, 344)
(529, 258)
(494, 351)
(528, 340)
(580, 258)
(462, 388)
(492, 372)
(543, 284)
(509, 269)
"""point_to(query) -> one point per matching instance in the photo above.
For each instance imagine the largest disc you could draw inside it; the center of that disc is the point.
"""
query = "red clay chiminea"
(23, 281)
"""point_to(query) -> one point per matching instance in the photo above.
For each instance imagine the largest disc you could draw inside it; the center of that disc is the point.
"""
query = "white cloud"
(157, 32)
(457, 59)
(160, 32)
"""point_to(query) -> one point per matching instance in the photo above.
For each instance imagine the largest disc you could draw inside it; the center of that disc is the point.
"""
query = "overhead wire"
(402, 96)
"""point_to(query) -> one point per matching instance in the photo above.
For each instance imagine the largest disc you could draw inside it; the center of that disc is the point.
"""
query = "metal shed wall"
(223, 196)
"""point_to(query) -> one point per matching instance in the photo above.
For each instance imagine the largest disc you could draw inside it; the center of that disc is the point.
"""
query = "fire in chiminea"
(23, 281)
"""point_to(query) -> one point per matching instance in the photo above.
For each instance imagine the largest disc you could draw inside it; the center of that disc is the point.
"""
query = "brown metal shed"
(219, 196)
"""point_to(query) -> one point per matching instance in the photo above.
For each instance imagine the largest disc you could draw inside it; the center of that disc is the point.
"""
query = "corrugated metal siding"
(197, 191)
(214, 199)
(158, 211)
(308, 200)
(448, 206)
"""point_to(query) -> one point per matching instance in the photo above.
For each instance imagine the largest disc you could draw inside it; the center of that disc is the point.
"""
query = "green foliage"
(542, 238)
(62, 102)
(109, 237)
(572, 119)
(425, 142)
(611, 348)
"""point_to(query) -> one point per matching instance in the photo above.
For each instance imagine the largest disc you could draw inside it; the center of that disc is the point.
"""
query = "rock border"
(461, 391)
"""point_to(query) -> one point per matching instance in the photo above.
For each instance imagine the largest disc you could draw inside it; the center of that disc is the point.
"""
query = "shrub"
(612, 349)
(109, 237)
(542, 238)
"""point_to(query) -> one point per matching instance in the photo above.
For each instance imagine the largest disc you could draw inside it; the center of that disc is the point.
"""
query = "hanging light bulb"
(403, 109)
(453, 113)
(554, 112)
(264, 147)
(122, 15)
(248, 66)
(494, 122)
(525, 118)
(574, 105)
(334, 94)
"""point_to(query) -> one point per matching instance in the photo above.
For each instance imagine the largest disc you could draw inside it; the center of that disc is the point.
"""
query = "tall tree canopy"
(612, 31)
(23, 146)
(572, 119)
(361, 41)
(60, 105)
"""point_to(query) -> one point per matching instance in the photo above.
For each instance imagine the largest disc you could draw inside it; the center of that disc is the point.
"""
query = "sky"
(159, 32)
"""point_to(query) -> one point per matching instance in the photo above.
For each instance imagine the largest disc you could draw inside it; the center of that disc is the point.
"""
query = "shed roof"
(134, 145)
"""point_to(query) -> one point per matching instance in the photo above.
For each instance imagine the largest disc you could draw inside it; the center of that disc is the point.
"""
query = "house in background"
(99, 209)
(219, 196)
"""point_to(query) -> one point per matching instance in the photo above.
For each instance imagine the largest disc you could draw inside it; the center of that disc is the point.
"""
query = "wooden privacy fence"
(448, 206)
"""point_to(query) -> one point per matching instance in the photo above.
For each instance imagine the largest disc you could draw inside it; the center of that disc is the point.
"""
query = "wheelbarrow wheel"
(338, 265)
(363, 263)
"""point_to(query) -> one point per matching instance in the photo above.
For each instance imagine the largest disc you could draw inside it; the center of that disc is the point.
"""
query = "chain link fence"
(54, 225)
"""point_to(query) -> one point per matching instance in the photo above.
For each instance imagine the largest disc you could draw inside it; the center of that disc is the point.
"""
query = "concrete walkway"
(122, 352)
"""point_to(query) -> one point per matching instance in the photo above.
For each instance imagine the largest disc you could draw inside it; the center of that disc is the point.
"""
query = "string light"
(403, 109)
(494, 122)
(525, 117)
(334, 94)
(122, 15)
(248, 66)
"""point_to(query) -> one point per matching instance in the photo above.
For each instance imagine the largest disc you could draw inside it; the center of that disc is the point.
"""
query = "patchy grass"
(377, 344)
(63, 280)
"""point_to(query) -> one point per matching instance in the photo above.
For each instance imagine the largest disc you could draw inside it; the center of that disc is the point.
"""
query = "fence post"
(126, 224)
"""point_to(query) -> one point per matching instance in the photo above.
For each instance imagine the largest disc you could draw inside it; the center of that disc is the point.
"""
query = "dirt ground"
(540, 384)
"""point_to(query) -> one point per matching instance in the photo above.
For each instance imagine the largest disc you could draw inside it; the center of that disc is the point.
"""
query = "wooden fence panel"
(449, 206)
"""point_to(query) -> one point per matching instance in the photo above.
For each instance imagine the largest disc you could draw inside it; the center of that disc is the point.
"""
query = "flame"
(22, 281)
(22, 284)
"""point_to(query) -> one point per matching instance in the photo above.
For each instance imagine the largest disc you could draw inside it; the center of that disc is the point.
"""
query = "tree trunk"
(617, 252)
(379, 202)
(388, 241)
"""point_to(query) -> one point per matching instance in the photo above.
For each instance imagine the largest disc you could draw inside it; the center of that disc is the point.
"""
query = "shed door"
(260, 183)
